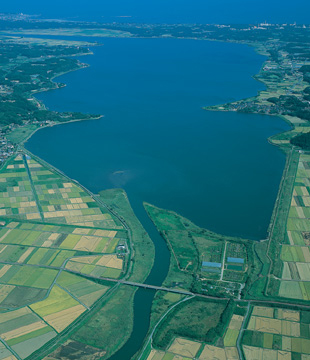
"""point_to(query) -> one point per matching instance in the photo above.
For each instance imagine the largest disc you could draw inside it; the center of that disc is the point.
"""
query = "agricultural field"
(98, 266)
(16, 197)
(295, 254)
(56, 243)
(24, 331)
(62, 201)
(179, 349)
(276, 333)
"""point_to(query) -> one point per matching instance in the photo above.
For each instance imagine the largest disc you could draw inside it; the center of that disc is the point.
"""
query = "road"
(157, 288)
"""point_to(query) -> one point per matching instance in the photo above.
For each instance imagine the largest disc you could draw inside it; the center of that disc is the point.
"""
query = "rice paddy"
(295, 254)
(180, 349)
(184, 347)
(275, 333)
(50, 230)
(98, 266)
(232, 333)
(211, 352)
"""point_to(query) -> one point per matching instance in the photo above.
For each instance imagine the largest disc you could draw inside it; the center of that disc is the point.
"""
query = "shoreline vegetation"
(236, 272)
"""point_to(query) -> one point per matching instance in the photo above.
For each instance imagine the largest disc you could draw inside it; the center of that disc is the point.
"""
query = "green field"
(20, 134)
(292, 265)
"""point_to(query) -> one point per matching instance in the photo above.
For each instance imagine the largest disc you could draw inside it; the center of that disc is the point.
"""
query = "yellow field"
(212, 352)
(303, 270)
(251, 324)
(4, 270)
(277, 326)
(33, 216)
(24, 330)
(14, 314)
(263, 311)
(284, 355)
(236, 322)
(25, 255)
(155, 354)
(57, 300)
(268, 325)
(60, 320)
(53, 236)
(231, 353)
(306, 253)
(87, 243)
(80, 231)
(110, 261)
(7, 233)
(286, 343)
(184, 347)
(74, 266)
(85, 259)
(289, 233)
(290, 328)
(254, 353)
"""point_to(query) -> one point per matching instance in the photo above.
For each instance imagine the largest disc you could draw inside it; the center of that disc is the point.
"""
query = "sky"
(167, 11)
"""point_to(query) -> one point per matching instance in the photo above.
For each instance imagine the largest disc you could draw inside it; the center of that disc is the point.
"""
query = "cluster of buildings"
(6, 148)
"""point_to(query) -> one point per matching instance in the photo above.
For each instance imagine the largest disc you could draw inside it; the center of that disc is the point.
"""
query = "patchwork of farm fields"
(182, 348)
(261, 333)
(275, 333)
(295, 254)
(56, 241)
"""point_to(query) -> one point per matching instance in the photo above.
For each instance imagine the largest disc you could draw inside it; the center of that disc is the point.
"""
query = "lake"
(156, 141)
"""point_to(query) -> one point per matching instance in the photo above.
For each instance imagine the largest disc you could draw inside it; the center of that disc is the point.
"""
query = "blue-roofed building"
(211, 264)
(235, 260)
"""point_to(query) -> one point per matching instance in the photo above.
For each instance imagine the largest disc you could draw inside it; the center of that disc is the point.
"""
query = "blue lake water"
(156, 141)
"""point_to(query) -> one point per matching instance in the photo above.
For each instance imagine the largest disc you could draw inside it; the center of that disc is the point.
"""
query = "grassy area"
(161, 303)
(256, 283)
(20, 134)
(111, 326)
(192, 319)
(72, 350)
(143, 248)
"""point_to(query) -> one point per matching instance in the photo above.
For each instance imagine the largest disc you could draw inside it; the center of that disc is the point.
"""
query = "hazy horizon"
(166, 11)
